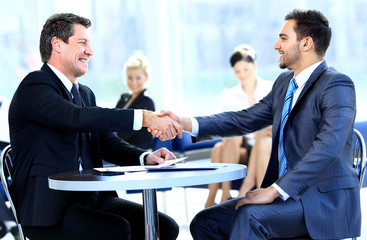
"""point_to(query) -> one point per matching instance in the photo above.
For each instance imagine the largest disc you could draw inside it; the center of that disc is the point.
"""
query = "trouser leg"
(134, 214)
(280, 219)
(83, 223)
(214, 223)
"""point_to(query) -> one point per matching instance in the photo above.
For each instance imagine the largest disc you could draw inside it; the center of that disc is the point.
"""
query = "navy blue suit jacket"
(44, 124)
(318, 147)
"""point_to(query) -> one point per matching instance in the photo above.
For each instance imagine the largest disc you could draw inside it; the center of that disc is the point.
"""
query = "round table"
(149, 181)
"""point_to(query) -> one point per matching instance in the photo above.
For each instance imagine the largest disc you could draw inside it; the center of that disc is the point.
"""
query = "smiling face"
(75, 54)
(244, 70)
(288, 46)
(136, 79)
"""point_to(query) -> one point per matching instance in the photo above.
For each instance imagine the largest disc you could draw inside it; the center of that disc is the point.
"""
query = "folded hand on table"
(159, 156)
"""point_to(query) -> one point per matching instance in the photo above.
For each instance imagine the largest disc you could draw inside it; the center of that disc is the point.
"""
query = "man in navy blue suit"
(55, 126)
(312, 109)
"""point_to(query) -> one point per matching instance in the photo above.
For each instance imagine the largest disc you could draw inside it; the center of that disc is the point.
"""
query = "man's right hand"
(167, 128)
(185, 123)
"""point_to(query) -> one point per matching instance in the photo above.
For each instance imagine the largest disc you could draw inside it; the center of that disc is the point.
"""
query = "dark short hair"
(243, 52)
(314, 24)
(59, 25)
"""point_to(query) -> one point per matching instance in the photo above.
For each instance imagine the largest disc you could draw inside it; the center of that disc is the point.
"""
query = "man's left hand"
(159, 156)
(259, 196)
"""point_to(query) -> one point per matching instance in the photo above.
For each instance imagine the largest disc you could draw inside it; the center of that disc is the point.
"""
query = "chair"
(184, 147)
(359, 157)
(6, 165)
(359, 164)
(361, 126)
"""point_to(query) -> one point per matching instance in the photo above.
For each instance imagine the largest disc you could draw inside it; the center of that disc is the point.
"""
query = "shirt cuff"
(142, 156)
(283, 194)
(194, 127)
(138, 119)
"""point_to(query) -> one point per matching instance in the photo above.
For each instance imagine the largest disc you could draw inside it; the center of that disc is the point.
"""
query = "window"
(188, 42)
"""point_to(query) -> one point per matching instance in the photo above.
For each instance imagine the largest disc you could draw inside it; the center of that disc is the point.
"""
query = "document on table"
(140, 168)
(188, 166)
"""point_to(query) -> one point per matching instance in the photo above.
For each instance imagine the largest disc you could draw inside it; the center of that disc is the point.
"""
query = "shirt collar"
(303, 76)
(68, 85)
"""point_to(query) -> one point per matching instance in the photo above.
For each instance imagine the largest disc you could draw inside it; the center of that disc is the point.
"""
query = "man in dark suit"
(310, 187)
(55, 126)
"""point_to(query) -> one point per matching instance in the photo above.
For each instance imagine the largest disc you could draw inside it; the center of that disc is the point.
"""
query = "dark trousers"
(112, 219)
(280, 219)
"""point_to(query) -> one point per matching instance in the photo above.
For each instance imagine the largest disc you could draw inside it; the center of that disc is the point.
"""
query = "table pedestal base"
(151, 214)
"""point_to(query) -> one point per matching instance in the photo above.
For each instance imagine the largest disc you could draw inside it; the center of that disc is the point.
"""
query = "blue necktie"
(76, 94)
(285, 113)
(84, 143)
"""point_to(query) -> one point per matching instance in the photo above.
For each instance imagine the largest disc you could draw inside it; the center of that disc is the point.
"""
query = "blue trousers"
(280, 219)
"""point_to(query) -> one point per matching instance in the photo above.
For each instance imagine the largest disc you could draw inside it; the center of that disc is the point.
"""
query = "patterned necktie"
(285, 113)
(84, 143)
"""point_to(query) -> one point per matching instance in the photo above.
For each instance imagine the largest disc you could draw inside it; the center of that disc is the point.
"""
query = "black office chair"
(6, 165)
(359, 156)
(359, 164)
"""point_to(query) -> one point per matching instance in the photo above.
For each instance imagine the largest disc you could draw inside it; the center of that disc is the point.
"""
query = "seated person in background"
(250, 89)
(137, 70)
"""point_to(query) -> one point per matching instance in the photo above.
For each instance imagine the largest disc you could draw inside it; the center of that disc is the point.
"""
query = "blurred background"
(188, 42)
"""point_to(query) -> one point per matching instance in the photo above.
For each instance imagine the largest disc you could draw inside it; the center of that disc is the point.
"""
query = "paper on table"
(121, 169)
(165, 164)
(188, 166)
(140, 168)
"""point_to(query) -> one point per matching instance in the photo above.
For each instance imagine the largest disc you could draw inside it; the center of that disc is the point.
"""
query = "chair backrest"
(6, 165)
(185, 144)
(359, 155)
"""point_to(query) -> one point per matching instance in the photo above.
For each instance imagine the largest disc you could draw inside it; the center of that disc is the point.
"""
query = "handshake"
(165, 124)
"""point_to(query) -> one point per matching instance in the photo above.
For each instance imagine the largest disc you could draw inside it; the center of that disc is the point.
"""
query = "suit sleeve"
(237, 123)
(39, 99)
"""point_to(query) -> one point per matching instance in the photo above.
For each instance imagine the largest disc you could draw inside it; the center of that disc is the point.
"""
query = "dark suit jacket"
(44, 123)
(318, 146)
(141, 138)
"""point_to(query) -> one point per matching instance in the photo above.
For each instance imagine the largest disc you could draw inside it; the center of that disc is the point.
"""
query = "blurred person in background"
(137, 72)
(251, 149)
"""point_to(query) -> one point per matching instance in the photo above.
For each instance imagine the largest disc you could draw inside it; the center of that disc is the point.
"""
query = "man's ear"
(56, 44)
(307, 44)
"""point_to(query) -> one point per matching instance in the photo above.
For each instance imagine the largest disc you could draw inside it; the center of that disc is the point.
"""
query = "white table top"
(85, 181)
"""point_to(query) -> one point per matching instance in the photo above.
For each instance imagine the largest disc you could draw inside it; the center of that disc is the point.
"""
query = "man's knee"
(170, 230)
(251, 216)
(118, 229)
(198, 223)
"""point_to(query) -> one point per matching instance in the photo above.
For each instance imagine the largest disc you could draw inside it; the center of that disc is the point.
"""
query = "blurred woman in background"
(251, 149)
(137, 71)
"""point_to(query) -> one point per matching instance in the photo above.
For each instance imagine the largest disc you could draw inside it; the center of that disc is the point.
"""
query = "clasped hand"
(165, 125)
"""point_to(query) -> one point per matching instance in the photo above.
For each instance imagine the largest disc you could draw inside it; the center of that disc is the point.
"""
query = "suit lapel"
(313, 78)
(65, 92)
